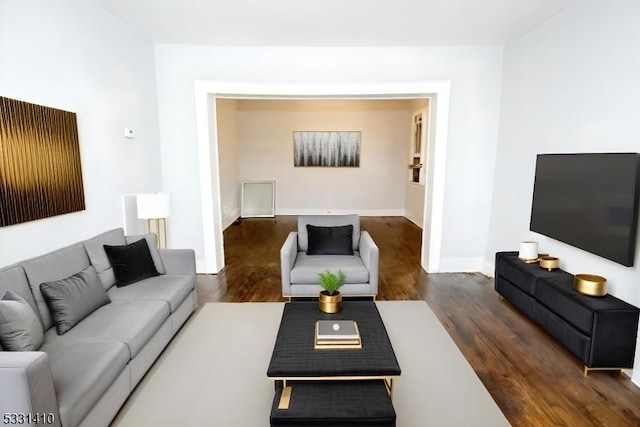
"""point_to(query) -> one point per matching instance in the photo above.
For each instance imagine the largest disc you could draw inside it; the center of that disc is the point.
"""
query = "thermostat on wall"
(129, 133)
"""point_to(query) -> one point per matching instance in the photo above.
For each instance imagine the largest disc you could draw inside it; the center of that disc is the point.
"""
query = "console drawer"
(515, 274)
(574, 340)
(515, 296)
(557, 295)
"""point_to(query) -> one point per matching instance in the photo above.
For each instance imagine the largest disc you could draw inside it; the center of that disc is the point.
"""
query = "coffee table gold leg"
(389, 383)
(285, 398)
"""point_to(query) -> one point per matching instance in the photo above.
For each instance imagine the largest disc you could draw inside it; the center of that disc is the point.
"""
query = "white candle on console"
(528, 250)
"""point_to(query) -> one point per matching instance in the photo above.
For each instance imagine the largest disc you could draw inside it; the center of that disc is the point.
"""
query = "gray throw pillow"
(72, 299)
(20, 328)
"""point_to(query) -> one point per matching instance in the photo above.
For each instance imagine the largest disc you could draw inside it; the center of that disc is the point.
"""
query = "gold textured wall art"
(40, 171)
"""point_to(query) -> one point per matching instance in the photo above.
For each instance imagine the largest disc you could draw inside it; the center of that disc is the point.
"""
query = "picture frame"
(40, 170)
(326, 148)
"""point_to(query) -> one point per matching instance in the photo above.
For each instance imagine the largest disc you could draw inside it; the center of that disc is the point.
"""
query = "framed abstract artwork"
(40, 171)
(326, 148)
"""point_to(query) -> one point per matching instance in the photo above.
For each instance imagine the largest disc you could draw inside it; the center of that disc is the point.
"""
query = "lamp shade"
(156, 205)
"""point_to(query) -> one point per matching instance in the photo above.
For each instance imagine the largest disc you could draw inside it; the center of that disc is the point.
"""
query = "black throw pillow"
(330, 240)
(131, 262)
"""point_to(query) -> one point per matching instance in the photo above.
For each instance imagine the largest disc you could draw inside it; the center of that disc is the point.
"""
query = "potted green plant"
(330, 299)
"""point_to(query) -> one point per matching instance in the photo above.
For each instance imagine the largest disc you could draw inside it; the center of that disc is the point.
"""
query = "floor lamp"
(155, 208)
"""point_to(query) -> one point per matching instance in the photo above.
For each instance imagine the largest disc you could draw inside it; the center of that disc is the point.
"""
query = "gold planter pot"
(330, 303)
(590, 284)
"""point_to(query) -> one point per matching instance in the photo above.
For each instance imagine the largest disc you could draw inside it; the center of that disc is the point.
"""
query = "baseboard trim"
(461, 265)
(488, 267)
(412, 220)
(230, 218)
(329, 211)
(202, 267)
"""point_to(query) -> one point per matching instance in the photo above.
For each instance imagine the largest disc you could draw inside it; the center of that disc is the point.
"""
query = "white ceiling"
(334, 22)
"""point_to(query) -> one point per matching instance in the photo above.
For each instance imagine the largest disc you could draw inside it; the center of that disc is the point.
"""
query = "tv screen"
(589, 201)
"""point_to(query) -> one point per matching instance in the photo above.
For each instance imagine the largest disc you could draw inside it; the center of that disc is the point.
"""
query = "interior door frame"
(207, 91)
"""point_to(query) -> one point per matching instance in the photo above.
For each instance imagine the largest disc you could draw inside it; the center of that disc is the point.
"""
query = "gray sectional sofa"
(84, 376)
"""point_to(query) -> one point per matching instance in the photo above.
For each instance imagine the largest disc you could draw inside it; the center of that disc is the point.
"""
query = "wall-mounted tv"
(589, 201)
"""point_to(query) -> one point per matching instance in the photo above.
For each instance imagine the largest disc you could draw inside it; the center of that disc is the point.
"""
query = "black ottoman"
(339, 403)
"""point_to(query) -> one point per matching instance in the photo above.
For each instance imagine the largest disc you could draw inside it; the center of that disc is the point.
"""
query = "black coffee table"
(295, 359)
(306, 377)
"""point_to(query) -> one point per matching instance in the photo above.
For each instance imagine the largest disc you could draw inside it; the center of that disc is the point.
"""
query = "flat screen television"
(589, 201)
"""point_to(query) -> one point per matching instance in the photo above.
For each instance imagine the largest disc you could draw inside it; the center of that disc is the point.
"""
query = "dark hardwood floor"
(532, 378)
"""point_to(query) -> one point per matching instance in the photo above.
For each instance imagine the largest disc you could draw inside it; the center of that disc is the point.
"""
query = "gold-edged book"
(337, 341)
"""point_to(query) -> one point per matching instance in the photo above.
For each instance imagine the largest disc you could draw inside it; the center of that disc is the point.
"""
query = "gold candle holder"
(549, 262)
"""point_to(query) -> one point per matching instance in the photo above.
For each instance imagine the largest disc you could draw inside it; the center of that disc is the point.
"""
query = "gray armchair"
(300, 270)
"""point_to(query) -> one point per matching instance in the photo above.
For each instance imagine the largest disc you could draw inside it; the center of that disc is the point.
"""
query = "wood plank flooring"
(532, 378)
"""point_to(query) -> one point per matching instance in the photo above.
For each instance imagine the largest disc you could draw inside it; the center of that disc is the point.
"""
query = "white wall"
(475, 73)
(376, 187)
(72, 55)
(226, 116)
(571, 85)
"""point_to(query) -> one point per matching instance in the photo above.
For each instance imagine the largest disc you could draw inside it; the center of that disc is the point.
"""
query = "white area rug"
(214, 372)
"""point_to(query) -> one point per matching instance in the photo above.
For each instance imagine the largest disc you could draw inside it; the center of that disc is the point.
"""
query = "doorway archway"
(206, 93)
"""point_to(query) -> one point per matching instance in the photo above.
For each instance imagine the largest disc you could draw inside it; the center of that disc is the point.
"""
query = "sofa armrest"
(288, 255)
(26, 386)
(183, 262)
(370, 255)
(179, 261)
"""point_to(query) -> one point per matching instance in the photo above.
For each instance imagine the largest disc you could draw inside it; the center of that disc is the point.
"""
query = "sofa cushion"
(152, 241)
(20, 328)
(330, 240)
(131, 262)
(72, 299)
(307, 268)
(15, 279)
(130, 322)
(53, 266)
(327, 221)
(98, 257)
(82, 373)
(173, 289)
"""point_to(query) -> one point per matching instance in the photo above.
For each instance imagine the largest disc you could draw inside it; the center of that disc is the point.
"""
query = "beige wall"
(415, 192)
(226, 111)
(265, 151)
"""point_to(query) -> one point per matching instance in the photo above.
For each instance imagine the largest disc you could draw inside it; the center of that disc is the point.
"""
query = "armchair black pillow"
(131, 262)
(330, 240)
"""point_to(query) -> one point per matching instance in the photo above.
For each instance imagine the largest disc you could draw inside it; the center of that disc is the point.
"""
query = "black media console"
(600, 331)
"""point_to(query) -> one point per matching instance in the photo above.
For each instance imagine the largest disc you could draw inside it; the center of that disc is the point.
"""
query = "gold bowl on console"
(590, 284)
(549, 262)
